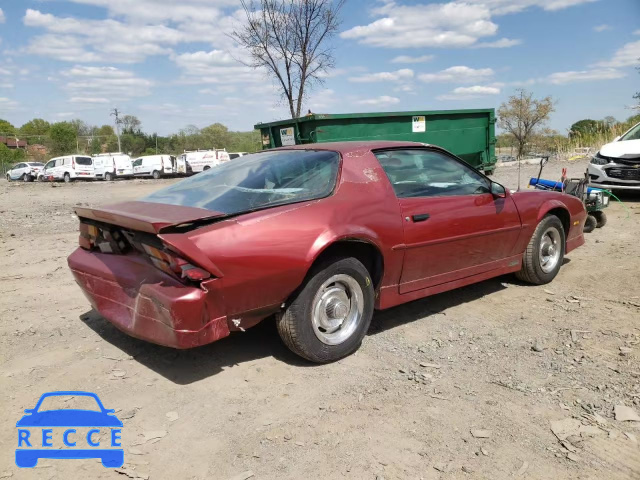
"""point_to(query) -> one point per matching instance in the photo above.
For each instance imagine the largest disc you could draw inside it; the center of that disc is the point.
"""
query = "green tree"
(63, 138)
(522, 115)
(6, 128)
(35, 129)
(131, 124)
(216, 135)
(585, 127)
(105, 131)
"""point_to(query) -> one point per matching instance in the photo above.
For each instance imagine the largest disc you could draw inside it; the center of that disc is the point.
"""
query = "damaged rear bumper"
(149, 304)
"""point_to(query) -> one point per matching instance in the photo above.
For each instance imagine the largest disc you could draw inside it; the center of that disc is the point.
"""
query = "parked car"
(318, 236)
(110, 166)
(25, 171)
(154, 166)
(617, 164)
(68, 168)
(236, 155)
(202, 160)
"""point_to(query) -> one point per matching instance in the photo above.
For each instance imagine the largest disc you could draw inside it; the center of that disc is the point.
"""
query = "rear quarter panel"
(264, 256)
(534, 205)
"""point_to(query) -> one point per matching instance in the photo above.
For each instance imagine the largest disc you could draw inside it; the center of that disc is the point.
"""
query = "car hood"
(69, 418)
(622, 149)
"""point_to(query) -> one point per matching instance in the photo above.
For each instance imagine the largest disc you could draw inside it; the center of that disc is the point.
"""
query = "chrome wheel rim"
(337, 309)
(550, 250)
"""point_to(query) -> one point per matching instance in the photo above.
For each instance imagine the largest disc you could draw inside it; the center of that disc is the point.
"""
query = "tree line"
(77, 136)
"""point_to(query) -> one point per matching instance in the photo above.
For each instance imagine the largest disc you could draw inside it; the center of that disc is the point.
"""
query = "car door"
(454, 226)
(18, 171)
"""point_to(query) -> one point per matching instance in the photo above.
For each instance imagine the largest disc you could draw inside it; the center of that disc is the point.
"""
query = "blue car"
(69, 418)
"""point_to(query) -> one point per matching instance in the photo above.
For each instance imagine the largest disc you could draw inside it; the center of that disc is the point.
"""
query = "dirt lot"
(498, 356)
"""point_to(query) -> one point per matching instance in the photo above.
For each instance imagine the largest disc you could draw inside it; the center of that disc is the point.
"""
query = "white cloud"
(321, 100)
(453, 24)
(601, 28)
(625, 56)
(2, 17)
(8, 104)
(637, 32)
(410, 59)
(502, 43)
(458, 74)
(84, 40)
(94, 84)
(561, 78)
(216, 66)
(399, 75)
(6, 85)
(380, 101)
(90, 100)
(457, 23)
(502, 7)
(465, 93)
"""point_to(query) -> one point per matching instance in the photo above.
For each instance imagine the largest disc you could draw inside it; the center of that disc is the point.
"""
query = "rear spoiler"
(146, 216)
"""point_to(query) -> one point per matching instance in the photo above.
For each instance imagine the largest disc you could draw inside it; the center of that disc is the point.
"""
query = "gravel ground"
(471, 383)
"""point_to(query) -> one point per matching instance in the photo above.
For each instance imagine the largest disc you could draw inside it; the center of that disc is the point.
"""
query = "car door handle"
(420, 217)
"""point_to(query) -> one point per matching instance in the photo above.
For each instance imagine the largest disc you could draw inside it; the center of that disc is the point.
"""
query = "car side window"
(429, 173)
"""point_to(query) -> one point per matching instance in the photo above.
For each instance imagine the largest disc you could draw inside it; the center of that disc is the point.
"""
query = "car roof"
(358, 145)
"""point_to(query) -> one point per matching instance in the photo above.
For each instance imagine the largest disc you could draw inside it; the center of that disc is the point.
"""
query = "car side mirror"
(497, 190)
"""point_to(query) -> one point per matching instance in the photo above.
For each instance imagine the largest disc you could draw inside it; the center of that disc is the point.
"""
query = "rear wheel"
(25, 178)
(155, 174)
(206, 168)
(590, 224)
(543, 257)
(108, 176)
(601, 218)
(67, 178)
(330, 315)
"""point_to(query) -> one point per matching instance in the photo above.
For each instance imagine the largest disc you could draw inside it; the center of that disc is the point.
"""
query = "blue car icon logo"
(69, 433)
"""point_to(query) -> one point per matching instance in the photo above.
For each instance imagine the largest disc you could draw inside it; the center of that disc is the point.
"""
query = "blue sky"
(172, 64)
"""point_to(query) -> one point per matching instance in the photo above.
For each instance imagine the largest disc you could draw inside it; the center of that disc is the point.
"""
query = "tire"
(67, 178)
(549, 233)
(206, 168)
(8, 177)
(108, 176)
(155, 174)
(590, 224)
(329, 285)
(601, 218)
(488, 173)
(25, 178)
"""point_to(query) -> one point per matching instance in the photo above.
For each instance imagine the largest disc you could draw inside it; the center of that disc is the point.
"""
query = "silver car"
(25, 171)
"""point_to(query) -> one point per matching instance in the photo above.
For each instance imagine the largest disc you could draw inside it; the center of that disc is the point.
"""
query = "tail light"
(170, 263)
(73, 163)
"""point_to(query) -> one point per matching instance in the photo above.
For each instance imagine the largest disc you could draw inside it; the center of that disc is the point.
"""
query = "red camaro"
(316, 235)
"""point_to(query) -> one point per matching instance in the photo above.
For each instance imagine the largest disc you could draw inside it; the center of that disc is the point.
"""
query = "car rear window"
(84, 161)
(256, 181)
(36, 164)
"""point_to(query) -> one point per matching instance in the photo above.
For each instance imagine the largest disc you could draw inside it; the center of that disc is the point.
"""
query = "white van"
(112, 165)
(68, 168)
(154, 166)
(233, 155)
(201, 160)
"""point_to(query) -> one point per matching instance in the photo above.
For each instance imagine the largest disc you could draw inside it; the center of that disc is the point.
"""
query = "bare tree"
(290, 39)
(522, 114)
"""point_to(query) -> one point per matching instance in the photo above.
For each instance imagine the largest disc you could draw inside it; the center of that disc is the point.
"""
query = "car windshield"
(633, 134)
(67, 402)
(256, 181)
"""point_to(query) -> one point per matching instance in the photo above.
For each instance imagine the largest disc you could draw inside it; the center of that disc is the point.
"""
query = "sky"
(173, 64)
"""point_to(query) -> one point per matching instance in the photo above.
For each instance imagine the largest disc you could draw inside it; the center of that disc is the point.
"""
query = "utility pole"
(156, 143)
(114, 112)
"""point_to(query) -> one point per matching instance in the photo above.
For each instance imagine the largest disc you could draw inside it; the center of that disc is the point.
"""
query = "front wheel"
(543, 257)
(8, 177)
(330, 315)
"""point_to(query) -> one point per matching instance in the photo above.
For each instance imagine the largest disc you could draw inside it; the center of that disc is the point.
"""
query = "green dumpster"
(469, 134)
